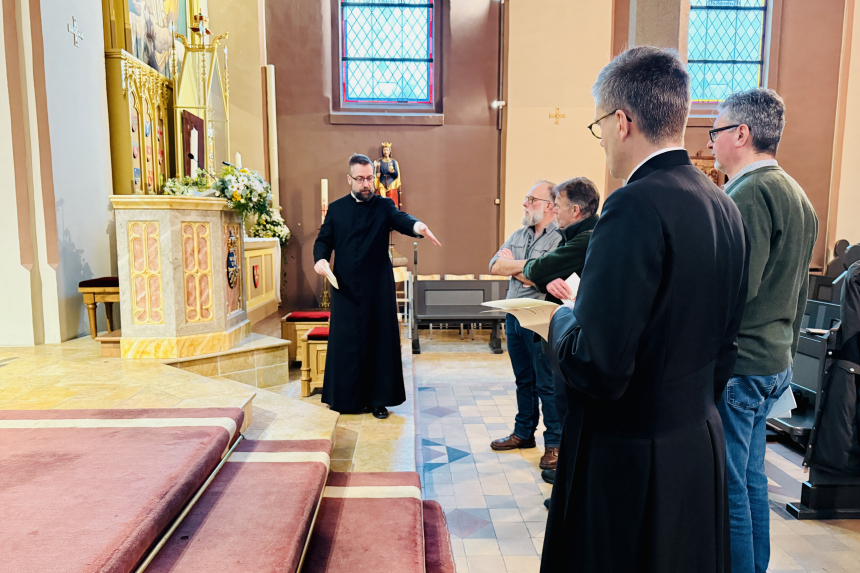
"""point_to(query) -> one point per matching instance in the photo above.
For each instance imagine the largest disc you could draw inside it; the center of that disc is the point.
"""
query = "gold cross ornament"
(557, 116)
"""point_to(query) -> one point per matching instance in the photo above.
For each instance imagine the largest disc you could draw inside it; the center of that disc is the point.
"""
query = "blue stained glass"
(725, 49)
(387, 51)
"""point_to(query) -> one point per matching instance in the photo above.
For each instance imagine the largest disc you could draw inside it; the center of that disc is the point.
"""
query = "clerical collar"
(653, 155)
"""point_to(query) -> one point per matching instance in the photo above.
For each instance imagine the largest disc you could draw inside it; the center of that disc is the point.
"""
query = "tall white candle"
(324, 197)
(192, 143)
(238, 160)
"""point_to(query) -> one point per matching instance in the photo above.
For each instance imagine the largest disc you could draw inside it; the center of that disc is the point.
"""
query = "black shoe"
(548, 476)
(546, 503)
(379, 412)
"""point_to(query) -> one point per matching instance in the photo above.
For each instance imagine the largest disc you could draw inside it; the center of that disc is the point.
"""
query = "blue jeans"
(534, 381)
(745, 406)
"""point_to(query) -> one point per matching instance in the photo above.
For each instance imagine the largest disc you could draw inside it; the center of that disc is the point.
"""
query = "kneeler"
(298, 323)
(314, 349)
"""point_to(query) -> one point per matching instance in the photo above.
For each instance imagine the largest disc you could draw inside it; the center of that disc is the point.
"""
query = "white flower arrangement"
(245, 190)
(185, 185)
(271, 225)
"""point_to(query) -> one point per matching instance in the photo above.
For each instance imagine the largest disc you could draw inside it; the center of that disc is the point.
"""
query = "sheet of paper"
(331, 279)
(784, 405)
(532, 314)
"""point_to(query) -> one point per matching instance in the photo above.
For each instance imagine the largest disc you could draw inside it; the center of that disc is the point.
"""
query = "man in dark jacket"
(650, 344)
(576, 202)
(365, 372)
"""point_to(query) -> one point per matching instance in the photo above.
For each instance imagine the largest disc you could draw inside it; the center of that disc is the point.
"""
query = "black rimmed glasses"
(362, 180)
(713, 133)
(531, 200)
(596, 124)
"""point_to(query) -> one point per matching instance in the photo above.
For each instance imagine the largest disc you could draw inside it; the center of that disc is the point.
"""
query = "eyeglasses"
(713, 133)
(531, 200)
(361, 180)
(596, 124)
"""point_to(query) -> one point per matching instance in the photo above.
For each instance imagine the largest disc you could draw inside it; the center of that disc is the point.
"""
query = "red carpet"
(90, 490)
(256, 514)
(368, 522)
(437, 540)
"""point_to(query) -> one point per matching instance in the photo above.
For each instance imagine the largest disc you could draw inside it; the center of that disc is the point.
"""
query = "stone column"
(662, 23)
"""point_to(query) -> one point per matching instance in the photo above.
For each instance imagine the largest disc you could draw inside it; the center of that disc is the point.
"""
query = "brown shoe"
(512, 442)
(549, 459)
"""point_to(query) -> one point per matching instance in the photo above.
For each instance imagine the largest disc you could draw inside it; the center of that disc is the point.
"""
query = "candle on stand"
(324, 197)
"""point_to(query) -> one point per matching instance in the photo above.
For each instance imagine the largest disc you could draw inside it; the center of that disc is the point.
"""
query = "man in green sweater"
(576, 213)
(781, 230)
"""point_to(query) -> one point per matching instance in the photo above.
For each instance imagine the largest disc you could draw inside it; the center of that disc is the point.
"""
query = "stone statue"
(387, 172)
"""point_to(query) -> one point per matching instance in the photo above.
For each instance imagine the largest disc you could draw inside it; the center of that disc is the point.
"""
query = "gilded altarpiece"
(139, 104)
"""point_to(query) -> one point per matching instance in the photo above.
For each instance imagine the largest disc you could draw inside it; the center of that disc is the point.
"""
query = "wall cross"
(557, 116)
(73, 29)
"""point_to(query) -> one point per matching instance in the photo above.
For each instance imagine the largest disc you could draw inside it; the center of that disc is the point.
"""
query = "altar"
(180, 276)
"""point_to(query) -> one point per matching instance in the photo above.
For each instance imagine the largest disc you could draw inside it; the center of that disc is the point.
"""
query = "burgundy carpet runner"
(368, 522)
(90, 490)
(256, 514)
(437, 540)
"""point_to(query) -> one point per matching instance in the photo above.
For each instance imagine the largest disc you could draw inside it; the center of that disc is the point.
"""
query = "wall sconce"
(498, 104)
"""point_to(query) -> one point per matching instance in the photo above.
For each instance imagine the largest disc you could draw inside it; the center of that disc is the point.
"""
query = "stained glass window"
(725, 47)
(387, 51)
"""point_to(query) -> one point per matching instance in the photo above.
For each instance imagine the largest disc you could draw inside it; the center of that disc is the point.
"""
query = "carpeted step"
(437, 540)
(368, 522)
(90, 490)
(256, 513)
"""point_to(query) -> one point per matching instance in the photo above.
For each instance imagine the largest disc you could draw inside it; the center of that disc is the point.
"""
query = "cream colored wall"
(80, 156)
(556, 48)
(241, 18)
(16, 327)
(848, 214)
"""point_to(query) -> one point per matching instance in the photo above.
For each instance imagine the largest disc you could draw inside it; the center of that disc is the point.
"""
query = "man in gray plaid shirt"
(538, 235)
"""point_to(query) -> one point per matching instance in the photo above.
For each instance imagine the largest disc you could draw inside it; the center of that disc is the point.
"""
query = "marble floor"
(494, 501)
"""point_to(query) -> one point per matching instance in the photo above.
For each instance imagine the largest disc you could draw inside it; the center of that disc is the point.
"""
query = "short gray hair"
(553, 193)
(581, 191)
(762, 111)
(652, 86)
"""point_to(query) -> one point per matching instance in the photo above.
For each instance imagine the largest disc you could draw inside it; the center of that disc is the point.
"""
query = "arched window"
(725, 49)
(387, 49)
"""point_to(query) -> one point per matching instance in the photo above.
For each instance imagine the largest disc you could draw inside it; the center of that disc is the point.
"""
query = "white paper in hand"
(784, 405)
(331, 279)
(573, 283)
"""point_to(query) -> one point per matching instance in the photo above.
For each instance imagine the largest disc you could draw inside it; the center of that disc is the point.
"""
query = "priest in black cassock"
(649, 346)
(363, 368)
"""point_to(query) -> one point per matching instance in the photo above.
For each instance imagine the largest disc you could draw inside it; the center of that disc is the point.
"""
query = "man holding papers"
(363, 369)
(649, 346)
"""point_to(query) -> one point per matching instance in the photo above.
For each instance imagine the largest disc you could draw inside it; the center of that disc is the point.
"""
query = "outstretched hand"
(559, 289)
(425, 230)
(321, 267)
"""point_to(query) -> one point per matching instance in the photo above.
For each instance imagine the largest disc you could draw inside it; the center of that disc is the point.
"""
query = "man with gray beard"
(537, 237)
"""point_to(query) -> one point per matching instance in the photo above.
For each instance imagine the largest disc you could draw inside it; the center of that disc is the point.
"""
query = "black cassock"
(650, 345)
(363, 366)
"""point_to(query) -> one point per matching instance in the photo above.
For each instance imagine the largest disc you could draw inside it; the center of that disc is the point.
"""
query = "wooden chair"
(104, 289)
(314, 352)
(403, 291)
(296, 324)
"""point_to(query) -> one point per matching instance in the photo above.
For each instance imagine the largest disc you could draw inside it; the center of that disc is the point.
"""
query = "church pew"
(93, 489)
(297, 323)
(314, 352)
(458, 301)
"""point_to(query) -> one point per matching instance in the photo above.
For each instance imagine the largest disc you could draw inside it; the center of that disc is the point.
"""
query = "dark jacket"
(834, 443)
(640, 482)
(567, 258)
(364, 338)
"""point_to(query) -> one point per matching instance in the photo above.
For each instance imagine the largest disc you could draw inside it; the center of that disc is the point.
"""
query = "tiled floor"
(494, 501)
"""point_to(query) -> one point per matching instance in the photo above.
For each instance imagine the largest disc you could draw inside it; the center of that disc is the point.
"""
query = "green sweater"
(781, 226)
(567, 258)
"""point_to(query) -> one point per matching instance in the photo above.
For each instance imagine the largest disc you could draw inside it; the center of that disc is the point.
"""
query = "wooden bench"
(458, 301)
(297, 323)
(314, 349)
(104, 289)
